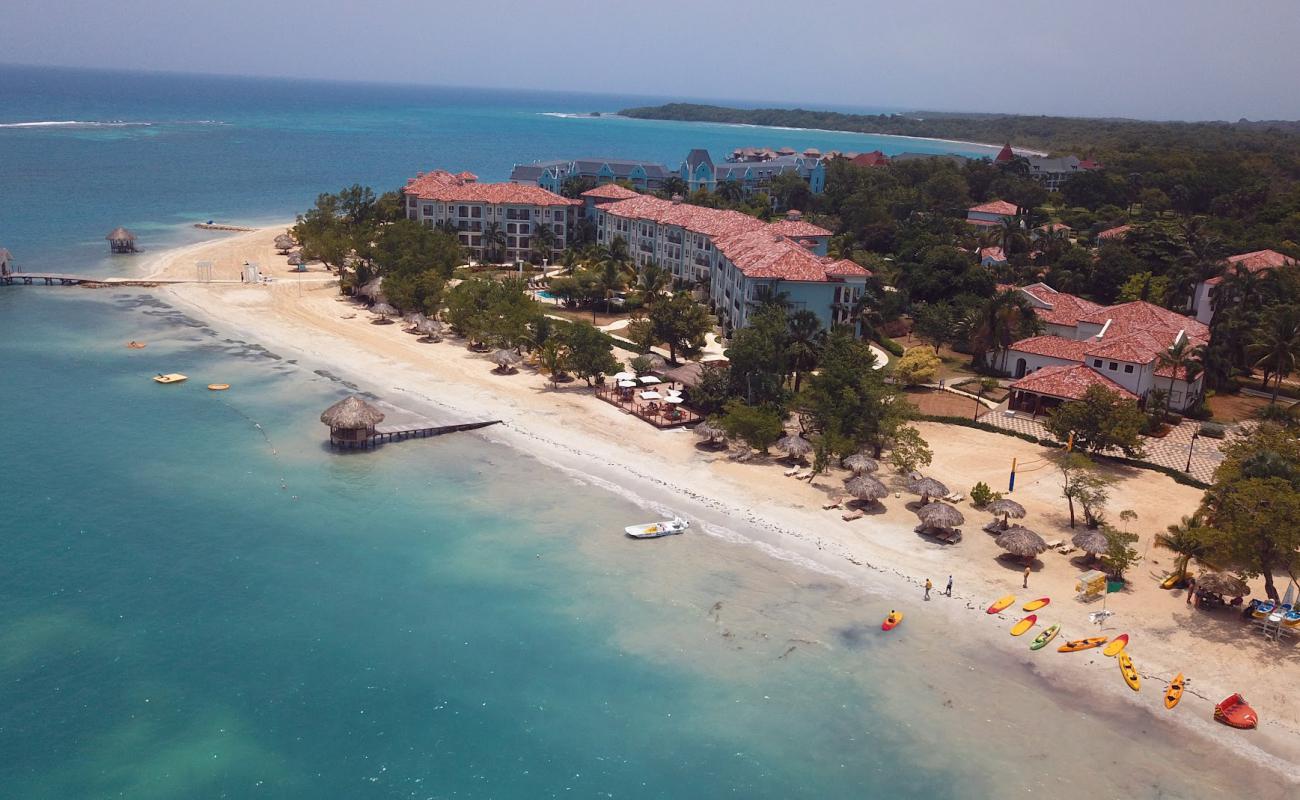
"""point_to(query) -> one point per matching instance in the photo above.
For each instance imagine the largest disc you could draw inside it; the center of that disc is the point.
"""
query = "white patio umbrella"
(627, 384)
(648, 379)
(673, 400)
(651, 396)
(674, 392)
(624, 376)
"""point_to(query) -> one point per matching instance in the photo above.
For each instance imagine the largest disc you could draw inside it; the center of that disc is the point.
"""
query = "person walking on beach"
(928, 587)
(948, 591)
(1191, 590)
(1025, 585)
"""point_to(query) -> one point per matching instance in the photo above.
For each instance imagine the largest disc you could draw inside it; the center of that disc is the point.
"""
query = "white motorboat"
(653, 530)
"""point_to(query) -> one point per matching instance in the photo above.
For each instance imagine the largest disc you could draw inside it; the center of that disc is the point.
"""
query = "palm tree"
(654, 278)
(803, 343)
(1183, 540)
(674, 185)
(543, 241)
(1009, 235)
(494, 241)
(1277, 346)
(1004, 318)
(1181, 358)
(609, 279)
(618, 250)
(731, 191)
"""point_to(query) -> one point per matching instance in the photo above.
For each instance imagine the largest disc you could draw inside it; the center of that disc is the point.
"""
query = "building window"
(1128, 369)
(1096, 363)
(1112, 366)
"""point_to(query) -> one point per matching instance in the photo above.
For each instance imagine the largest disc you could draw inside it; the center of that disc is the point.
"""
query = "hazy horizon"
(1159, 60)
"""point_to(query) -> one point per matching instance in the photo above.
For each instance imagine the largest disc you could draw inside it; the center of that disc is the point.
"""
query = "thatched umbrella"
(1222, 584)
(284, 243)
(505, 360)
(414, 318)
(709, 431)
(351, 420)
(371, 289)
(1020, 541)
(383, 311)
(866, 488)
(295, 260)
(431, 330)
(1091, 542)
(927, 488)
(655, 361)
(860, 463)
(1007, 509)
(794, 446)
(940, 515)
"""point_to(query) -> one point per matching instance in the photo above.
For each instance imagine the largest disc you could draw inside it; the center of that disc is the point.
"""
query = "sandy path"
(570, 429)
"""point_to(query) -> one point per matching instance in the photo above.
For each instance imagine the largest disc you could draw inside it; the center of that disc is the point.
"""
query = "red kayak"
(892, 621)
(1234, 711)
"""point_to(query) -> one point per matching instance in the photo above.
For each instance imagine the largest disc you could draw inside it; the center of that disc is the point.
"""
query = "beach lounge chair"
(852, 515)
(790, 473)
(833, 504)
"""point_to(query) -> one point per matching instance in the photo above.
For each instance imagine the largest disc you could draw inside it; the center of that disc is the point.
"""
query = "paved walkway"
(1170, 451)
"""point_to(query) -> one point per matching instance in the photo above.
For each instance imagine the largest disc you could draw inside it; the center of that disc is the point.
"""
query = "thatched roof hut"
(1020, 541)
(383, 311)
(372, 290)
(284, 243)
(927, 488)
(860, 463)
(866, 488)
(794, 445)
(505, 360)
(1221, 583)
(1091, 542)
(295, 260)
(709, 431)
(120, 240)
(431, 330)
(940, 515)
(6, 261)
(1006, 509)
(352, 421)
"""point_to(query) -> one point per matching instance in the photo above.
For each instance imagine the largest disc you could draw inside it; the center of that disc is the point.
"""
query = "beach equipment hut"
(860, 463)
(1091, 542)
(284, 243)
(794, 446)
(940, 515)
(1021, 542)
(505, 360)
(709, 431)
(1221, 584)
(383, 311)
(1006, 509)
(120, 240)
(927, 488)
(866, 488)
(351, 421)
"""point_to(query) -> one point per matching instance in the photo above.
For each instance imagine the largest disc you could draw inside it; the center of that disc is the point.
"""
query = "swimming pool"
(547, 294)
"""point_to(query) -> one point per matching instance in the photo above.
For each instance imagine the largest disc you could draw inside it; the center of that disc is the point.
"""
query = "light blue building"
(699, 171)
(551, 175)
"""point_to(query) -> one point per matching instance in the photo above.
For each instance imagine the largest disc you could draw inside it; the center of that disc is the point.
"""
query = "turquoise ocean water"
(200, 600)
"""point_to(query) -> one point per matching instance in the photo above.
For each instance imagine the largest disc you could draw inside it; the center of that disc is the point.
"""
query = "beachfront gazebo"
(121, 241)
(352, 421)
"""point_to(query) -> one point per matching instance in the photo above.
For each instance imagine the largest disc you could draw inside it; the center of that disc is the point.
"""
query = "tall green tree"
(1003, 319)
(1277, 345)
(1102, 420)
(759, 359)
(803, 343)
(681, 323)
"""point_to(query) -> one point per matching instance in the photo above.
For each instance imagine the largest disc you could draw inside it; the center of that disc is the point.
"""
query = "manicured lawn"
(945, 404)
(997, 394)
(955, 365)
(1238, 407)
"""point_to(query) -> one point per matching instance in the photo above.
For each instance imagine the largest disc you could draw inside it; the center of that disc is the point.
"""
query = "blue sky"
(1158, 59)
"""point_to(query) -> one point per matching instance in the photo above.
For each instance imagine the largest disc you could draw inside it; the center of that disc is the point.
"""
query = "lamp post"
(1190, 447)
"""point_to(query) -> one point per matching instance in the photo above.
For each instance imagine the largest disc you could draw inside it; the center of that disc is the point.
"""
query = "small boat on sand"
(892, 621)
(171, 377)
(653, 530)
(1174, 692)
(1233, 711)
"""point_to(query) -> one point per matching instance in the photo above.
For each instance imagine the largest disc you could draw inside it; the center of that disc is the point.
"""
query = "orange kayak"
(1234, 711)
(892, 621)
(1174, 692)
(1076, 645)
(1001, 603)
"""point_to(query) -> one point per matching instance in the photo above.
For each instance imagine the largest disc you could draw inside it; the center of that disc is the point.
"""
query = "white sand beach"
(570, 429)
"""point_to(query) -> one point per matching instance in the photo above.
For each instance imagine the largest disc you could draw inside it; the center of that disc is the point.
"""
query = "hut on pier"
(6, 263)
(121, 241)
(352, 421)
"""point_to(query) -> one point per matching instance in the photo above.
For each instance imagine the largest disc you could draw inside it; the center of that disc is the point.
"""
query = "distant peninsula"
(1055, 134)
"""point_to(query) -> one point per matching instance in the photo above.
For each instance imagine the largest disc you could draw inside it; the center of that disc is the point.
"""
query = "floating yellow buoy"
(218, 387)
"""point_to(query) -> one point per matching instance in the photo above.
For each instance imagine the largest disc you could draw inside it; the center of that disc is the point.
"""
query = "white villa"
(1116, 346)
(1256, 262)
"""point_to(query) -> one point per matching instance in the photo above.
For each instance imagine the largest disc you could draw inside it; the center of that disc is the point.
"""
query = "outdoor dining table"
(651, 395)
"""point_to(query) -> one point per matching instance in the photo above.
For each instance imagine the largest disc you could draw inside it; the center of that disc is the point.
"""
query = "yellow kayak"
(1024, 625)
(1034, 605)
(1130, 674)
(1001, 603)
(1116, 645)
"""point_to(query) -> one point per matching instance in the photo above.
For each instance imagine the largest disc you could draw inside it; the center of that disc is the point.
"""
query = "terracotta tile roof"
(797, 228)
(994, 254)
(1115, 233)
(1052, 227)
(873, 159)
(847, 267)
(1052, 347)
(1005, 154)
(1255, 261)
(1062, 309)
(1141, 316)
(698, 219)
(983, 223)
(443, 186)
(610, 191)
(1138, 347)
(999, 207)
(1068, 382)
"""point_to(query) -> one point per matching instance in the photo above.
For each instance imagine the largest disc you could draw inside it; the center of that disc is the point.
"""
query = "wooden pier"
(398, 433)
(66, 279)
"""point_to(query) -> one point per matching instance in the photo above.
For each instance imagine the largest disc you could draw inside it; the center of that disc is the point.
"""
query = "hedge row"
(894, 348)
(1178, 475)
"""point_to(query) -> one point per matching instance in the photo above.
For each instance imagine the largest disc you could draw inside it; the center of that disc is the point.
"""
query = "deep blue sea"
(200, 600)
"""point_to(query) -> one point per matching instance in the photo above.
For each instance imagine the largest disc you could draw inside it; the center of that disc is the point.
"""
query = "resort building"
(1050, 172)
(1120, 344)
(739, 258)
(991, 214)
(1254, 262)
(1116, 233)
(474, 209)
(551, 175)
(699, 171)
